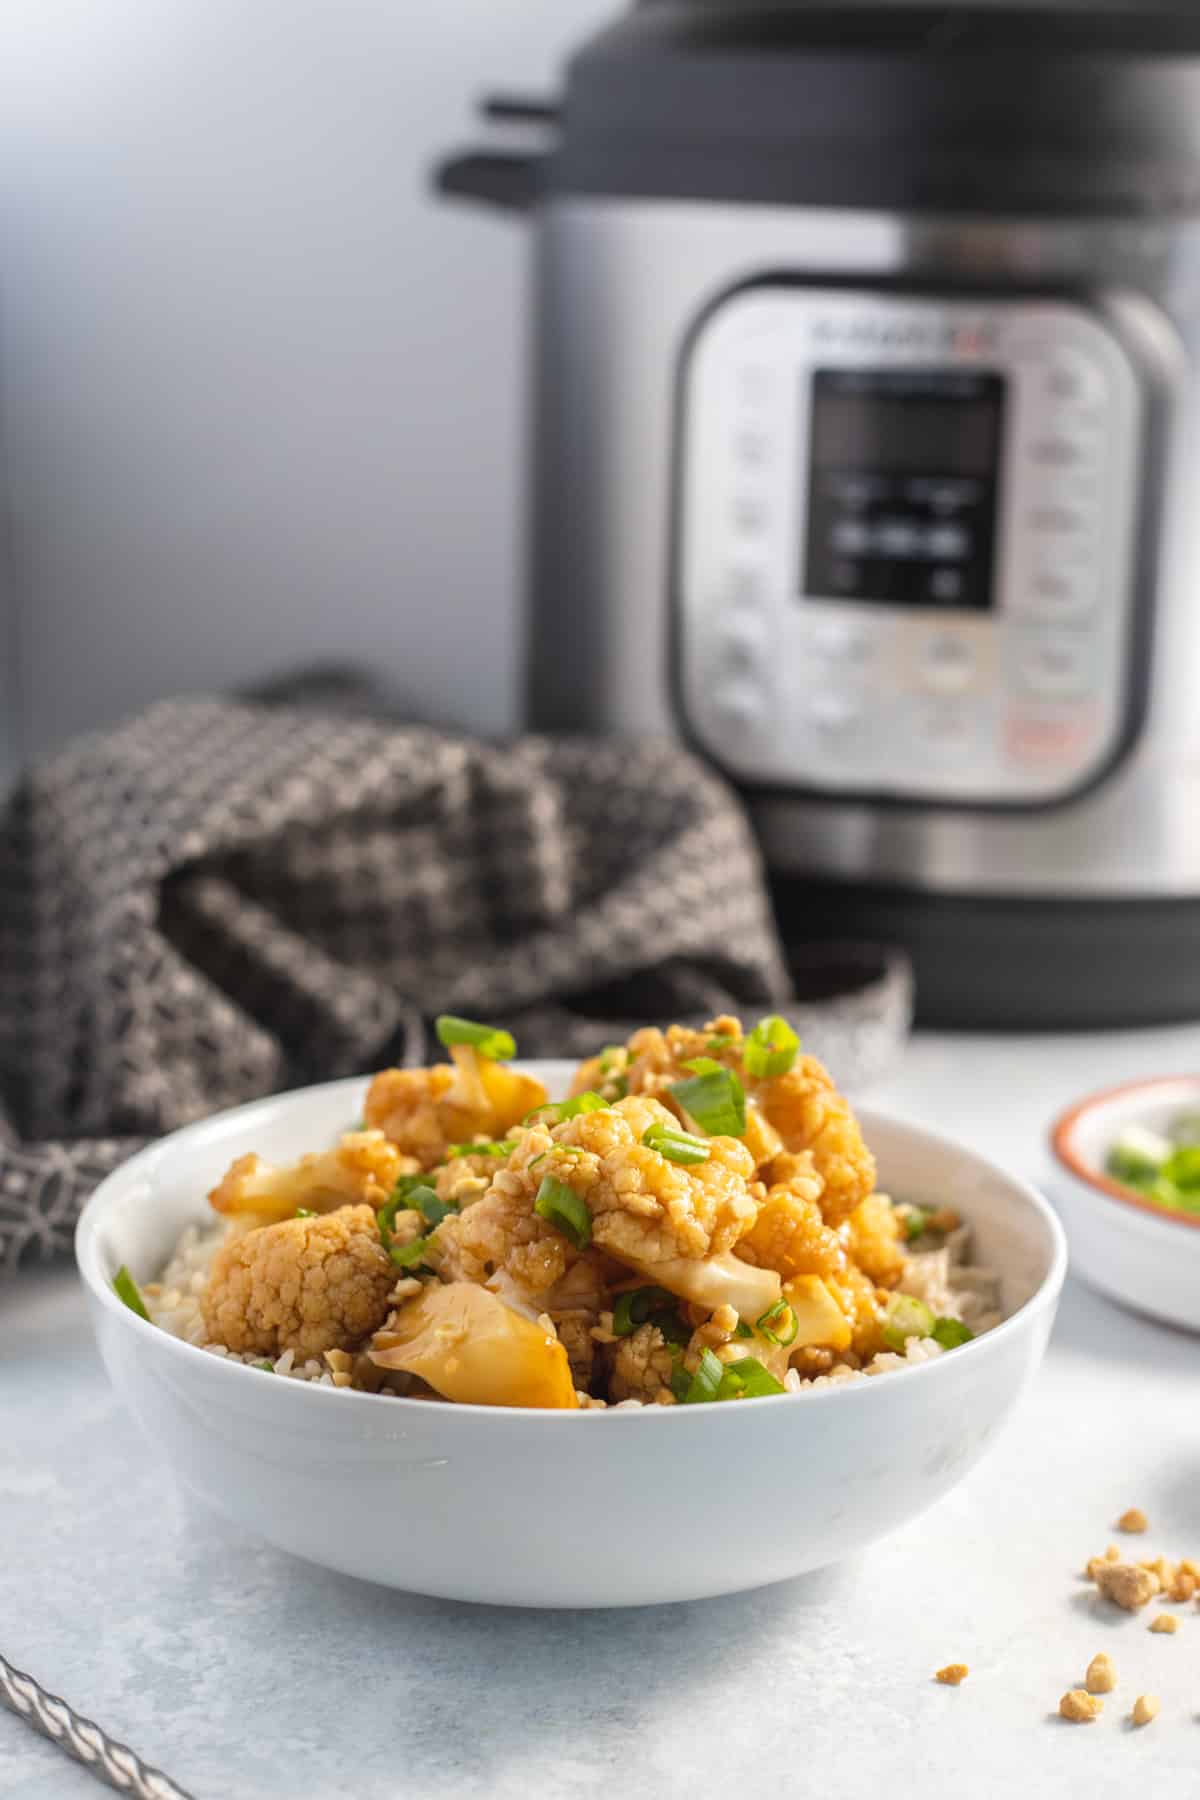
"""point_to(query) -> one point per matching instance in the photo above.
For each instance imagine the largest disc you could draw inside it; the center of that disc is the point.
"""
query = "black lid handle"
(510, 180)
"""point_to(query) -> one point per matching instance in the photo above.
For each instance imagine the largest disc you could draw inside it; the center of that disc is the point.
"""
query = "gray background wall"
(260, 396)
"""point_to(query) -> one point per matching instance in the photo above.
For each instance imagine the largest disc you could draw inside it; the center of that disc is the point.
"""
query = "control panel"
(906, 543)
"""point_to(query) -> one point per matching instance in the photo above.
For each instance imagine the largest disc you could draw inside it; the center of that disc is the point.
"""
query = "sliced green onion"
(722, 1041)
(706, 1382)
(304, 1212)
(714, 1098)
(915, 1222)
(496, 1045)
(1183, 1168)
(743, 1330)
(126, 1289)
(779, 1325)
(949, 1333)
(407, 1256)
(1138, 1155)
(560, 1205)
(680, 1382)
(268, 1368)
(619, 1085)
(613, 1056)
(744, 1379)
(425, 1201)
(747, 1379)
(409, 1194)
(677, 1146)
(582, 1103)
(704, 1065)
(485, 1147)
(568, 1109)
(634, 1307)
(771, 1048)
(906, 1317)
(649, 1306)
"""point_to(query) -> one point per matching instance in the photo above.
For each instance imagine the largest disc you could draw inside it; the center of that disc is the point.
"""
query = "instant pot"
(866, 461)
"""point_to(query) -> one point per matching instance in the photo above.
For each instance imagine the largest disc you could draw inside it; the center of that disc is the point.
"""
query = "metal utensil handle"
(79, 1737)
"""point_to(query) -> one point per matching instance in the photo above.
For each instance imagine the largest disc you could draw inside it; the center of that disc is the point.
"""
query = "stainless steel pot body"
(626, 293)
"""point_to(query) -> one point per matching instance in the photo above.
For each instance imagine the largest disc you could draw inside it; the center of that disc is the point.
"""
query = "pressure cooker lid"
(1070, 107)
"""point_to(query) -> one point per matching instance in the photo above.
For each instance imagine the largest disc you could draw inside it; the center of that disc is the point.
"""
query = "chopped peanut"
(1163, 1568)
(1188, 1567)
(1093, 1566)
(944, 1219)
(1164, 1622)
(1080, 1707)
(1145, 1708)
(1126, 1585)
(953, 1674)
(1134, 1519)
(1101, 1677)
(1184, 1586)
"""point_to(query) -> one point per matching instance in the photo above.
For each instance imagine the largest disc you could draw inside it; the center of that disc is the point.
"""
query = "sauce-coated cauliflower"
(425, 1111)
(800, 1110)
(363, 1167)
(646, 1212)
(307, 1285)
(874, 1240)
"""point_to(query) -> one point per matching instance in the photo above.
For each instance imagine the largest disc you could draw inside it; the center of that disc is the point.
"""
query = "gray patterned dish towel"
(220, 899)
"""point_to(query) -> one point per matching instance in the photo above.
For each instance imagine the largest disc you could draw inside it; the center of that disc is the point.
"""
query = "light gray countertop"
(244, 1673)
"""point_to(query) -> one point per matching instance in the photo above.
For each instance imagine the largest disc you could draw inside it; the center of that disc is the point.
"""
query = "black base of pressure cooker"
(1014, 965)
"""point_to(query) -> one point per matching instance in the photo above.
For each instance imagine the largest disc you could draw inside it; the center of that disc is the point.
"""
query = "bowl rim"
(1062, 1143)
(87, 1257)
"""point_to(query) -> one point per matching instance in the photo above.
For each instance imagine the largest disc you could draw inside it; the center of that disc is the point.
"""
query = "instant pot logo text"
(924, 336)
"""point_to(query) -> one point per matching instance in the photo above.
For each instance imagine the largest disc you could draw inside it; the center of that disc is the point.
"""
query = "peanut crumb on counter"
(1145, 1708)
(1126, 1585)
(1164, 1622)
(1101, 1677)
(1184, 1586)
(954, 1674)
(1080, 1707)
(1133, 1519)
(1112, 1554)
(1163, 1568)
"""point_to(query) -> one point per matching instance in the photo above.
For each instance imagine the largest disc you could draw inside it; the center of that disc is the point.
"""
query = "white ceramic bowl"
(535, 1508)
(1131, 1248)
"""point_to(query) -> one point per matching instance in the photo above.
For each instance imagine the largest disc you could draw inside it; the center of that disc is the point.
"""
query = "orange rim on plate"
(1061, 1143)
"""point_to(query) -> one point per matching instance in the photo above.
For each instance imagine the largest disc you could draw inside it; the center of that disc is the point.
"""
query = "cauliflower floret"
(424, 1111)
(873, 1239)
(641, 1367)
(674, 1224)
(802, 1108)
(575, 1335)
(403, 1103)
(809, 1114)
(307, 1285)
(790, 1234)
(364, 1167)
(858, 1299)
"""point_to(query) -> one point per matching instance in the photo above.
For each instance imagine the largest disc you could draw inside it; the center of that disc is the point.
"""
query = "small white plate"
(1130, 1247)
(519, 1507)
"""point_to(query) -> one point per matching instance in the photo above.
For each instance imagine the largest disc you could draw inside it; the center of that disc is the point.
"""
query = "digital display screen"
(903, 485)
